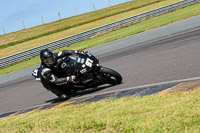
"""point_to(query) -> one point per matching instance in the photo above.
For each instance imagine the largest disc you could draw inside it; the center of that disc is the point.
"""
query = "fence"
(93, 32)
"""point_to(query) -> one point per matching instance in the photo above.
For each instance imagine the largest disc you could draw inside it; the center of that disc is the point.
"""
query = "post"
(42, 19)
(3, 30)
(59, 15)
(76, 11)
(109, 2)
(93, 6)
(23, 24)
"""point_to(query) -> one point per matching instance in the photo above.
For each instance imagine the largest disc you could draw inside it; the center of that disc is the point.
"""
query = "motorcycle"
(88, 72)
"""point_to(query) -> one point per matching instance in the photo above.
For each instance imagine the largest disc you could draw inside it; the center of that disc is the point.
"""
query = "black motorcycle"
(87, 70)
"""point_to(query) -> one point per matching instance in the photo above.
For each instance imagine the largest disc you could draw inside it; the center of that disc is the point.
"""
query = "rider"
(49, 72)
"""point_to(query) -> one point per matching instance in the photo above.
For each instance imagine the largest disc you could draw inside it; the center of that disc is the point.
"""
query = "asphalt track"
(167, 58)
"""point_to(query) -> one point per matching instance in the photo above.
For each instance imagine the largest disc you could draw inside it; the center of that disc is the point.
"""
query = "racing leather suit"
(51, 78)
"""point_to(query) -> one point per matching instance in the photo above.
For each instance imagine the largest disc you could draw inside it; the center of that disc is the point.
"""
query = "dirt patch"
(183, 87)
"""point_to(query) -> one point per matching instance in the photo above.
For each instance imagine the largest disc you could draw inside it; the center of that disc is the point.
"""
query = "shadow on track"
(81, 93)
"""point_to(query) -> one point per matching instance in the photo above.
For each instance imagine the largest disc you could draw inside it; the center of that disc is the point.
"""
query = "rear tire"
(111, 76)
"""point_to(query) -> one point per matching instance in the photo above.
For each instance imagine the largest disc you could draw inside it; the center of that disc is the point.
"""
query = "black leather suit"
(50, 77)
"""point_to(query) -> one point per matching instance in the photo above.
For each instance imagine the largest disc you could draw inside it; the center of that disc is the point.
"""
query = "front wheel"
(111, 76)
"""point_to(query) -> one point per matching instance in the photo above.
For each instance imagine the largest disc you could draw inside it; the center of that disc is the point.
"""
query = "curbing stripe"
(17, 113)
(65, 103)
(168, 90)
(34, 110)
(69, 102)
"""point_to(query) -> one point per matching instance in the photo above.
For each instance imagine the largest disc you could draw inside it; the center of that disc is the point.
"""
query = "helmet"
(47, 57)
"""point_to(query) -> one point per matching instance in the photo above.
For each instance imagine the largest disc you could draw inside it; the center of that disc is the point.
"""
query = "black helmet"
(47, 57)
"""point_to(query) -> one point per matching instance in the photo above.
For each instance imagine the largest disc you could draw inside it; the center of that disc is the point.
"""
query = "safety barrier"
(93, 32)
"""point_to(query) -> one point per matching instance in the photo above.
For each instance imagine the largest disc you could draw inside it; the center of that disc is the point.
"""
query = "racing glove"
(82, 52)
(72, 79)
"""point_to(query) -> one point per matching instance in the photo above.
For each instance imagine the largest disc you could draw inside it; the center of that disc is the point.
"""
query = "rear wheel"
(111, 76)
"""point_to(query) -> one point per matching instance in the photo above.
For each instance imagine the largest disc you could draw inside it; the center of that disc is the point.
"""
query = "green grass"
(168, 113)
(140, 27)
(21, 36)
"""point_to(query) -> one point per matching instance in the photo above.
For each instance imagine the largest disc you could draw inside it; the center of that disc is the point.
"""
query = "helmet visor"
(49, 61)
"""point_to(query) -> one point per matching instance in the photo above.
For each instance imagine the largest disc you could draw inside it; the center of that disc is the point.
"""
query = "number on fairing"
(64, 65)
(35, 72)
(88, 62)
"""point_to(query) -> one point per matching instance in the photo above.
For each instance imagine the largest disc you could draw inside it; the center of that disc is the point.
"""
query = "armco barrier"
(93, 32)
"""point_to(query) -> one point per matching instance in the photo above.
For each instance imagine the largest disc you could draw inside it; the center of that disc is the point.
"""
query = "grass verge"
(140, 27)
(168, 113)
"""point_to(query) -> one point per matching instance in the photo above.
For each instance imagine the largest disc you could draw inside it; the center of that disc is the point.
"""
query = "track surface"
(164, 59)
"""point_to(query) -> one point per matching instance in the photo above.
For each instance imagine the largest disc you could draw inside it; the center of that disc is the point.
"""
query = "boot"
(64, 97)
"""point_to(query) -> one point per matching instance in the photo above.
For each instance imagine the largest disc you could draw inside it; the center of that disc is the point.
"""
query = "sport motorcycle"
(89, 73)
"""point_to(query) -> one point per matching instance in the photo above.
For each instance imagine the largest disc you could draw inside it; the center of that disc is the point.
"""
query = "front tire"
(111, 76)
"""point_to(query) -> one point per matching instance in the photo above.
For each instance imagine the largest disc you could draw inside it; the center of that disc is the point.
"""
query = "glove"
(83, 52)
(72, 79)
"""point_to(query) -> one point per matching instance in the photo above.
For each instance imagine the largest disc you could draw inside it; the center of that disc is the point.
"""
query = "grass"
(145, 5)
(140, 27)
(168, 113)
